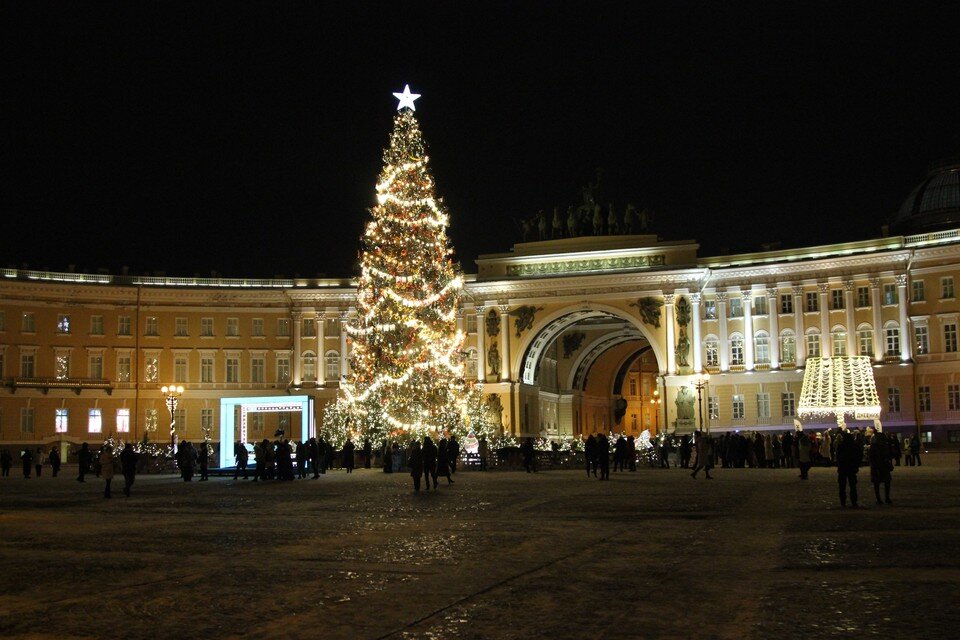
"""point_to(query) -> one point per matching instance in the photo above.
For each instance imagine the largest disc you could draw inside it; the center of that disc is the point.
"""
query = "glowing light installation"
(839, 386)
(407, 363)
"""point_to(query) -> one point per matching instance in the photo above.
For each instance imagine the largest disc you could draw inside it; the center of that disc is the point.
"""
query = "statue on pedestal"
(613, 223)
(557, 224)
(684, 404)
(493, 360)
(572, 223)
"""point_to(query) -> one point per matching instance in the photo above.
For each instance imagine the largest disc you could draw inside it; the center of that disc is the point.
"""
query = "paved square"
(652, 554)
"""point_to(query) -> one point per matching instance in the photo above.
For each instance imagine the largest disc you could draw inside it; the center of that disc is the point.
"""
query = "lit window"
(813, 345)
(762, 347)
(713, 407)
(737, 403)
(150, 419)
(788, 348)
(123, 368)
(950, 337)
(151, 371)
(712, 348)
(839, 339)
(283, 369)
(309, 366)
(923, 399)
(61, 420)
(946, 287)
(736, 350)
(63, 323)
(893, 341)
(710, 310)
(865, 342)
(95, 421)
(890, 294)
(893, 400)
(123, 420)
(736, 307)
(332, 360)
(921, 339)
(62, 364)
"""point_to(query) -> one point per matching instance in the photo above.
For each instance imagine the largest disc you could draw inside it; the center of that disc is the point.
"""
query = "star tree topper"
(406, 98)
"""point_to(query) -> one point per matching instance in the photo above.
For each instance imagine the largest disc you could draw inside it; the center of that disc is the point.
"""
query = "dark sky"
(246, 137)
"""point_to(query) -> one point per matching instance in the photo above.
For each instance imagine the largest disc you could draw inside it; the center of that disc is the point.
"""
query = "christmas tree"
(407, 364)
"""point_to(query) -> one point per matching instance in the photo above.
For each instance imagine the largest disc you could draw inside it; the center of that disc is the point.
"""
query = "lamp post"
(700, 381)
(655, 406)
(172, 395)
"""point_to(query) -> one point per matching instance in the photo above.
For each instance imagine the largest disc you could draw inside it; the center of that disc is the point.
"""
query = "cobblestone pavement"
(653, 554)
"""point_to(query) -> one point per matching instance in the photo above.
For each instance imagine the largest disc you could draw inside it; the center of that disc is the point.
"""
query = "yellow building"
(589, 333)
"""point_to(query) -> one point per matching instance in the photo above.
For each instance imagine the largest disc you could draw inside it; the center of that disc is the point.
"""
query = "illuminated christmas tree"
(407, 365)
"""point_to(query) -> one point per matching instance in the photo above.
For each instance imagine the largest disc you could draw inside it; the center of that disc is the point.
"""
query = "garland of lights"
(837, 386)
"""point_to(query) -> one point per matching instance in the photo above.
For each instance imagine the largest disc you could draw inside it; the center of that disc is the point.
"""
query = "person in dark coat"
(314, 457)
(453, 450)
(27, 458)
(526, 448)
(106, 468)
(590, 455)
(704, 447)
(415, 462)
(387, 457)
(896, 452)
(443, 460)
(619, 454)
(603, 456)
(38, 460)
(685, 450)
(665, 452)
(915, 450)
(204, 458)
(367, 453)
(6, 461)
(881, 465)
(83, 461)
(55, 461)
(327, 457)
(483, 450)
(429, 457)
(185, 461)
(631, 453)
(240, 454)
(301, 451)
(128, 465)
(348, 449)
(848, 464)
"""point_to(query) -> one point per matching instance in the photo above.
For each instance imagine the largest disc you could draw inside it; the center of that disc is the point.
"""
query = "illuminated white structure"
(263, 404)
(839, 386)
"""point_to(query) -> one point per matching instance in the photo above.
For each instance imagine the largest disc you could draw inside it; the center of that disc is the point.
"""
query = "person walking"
(703, 446)
(106, 468)
(453, 450)
(631, 453)
(526, 449)
(429, 457)
(348, 452)
(443, 460)
(83, 461)
(6, 461)
(848, 457)
(415, 462)
(915, 450)
(128, 466)
(685, 452)
(603, 456)
(314, 447)
(240, 456)
(803, 454)
(38, 460)
(387, 457)
(367, 453)
(881, 465)
(27, 459)
(395, 457)
(483, 450)
(590, 455)
(204, 457)
(55, 461)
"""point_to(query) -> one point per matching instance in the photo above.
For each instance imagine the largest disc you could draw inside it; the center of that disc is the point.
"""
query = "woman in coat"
(348, 455)
(106, 468)
(803, 455)
(415, 462)
(443, 460)
(881, 465)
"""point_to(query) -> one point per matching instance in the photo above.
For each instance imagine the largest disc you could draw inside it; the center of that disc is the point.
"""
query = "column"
(773, 313)
(724, 346)
(905, 338)
(297, 350)
(460, 320)
(798, 325)
(851, 320)
(505, 346)
(826, 340)
(320, 319)
(747, 329)
(344, 316)
(668, 321)
(481, 346)
(875, 303)
(696, 340)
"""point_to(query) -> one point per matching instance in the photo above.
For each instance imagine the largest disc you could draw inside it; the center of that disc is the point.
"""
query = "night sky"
(247, 138)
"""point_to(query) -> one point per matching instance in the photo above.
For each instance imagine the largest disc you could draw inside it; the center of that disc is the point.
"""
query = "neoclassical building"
(569, 336)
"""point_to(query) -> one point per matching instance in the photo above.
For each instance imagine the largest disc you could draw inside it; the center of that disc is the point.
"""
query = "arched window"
(470, 365)
(711, 346)
(865, 340)
(309, 360)
(838, 338)
(892, 332)
(813, 343)
(736, 349)
(788, 347)
(761, 347)
(332, 360)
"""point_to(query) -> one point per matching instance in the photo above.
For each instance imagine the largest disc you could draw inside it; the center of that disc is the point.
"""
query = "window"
(27, 365)
(921, 339)
(633, 386)
(839, 339)
(151, 326)
(738, 413)
(865, 342)
(233, 369)
(863, 296)
(712, 348)
(953, 436)
(28, 323)
(786, 303)
(308, 368)
(206, 327)
(283, 327)
(3, 320)
(893, 341)
(123, 326)
(923, 399)
(26, 419)
(150, 419)
(123, 420)
(257, 422)
(151, 369)
(61, 420)
(893, 400)
(813, 345)
(710, 310)
(332, 324)
(471, 323)
(95, 421)
(206, 369)
(813, 302)
(788, 348)
(713, 407)
(62, 366)
(890, 294)
(946, 287)
(836, 299)
(950, 337)
(918, 292)
(760, 305)
(2, 363)
(96, 325)
(95, 368)
(233, 327)
(180, 327)
(256, 369)
(953, 397)
(309, 327)
(63, 323)
(180, 420)
(470, 368)
(761, 349)
(736, 307)
(123, 368)
(206, 421)
(283, 368)
(736, 350)
(763, 405)
(180, 369)
(788, 404)
(332, 359)
(256, 327)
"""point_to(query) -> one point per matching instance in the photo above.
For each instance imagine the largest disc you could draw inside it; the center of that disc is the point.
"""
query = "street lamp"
(172, 394)
(700, 381)
(655, 405)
